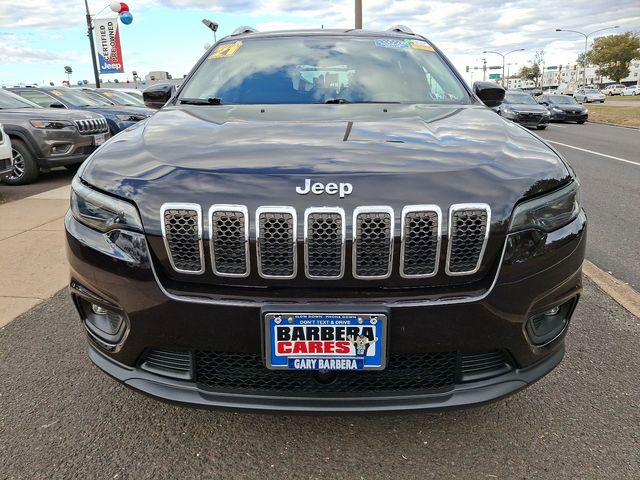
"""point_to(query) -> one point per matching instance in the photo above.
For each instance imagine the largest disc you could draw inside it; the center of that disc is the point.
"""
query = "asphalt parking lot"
(62, 418)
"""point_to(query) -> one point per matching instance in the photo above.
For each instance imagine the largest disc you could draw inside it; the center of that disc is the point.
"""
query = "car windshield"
(11, 100)
(324, 69)
(562, 100)
(76, 98)
(121, 98)
(519, 98)
(591, 90)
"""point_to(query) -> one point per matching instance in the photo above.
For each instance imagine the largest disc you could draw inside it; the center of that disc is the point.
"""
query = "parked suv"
(615, 89)
(43, 138)
(6, 158)
(326, 221)
(118, 117)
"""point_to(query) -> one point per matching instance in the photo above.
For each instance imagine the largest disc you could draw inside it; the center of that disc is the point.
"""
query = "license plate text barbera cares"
(318, 340)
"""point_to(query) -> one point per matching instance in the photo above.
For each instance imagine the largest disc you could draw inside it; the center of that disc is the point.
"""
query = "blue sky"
(38, 38)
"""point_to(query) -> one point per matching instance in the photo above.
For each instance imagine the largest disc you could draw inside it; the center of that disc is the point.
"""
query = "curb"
(614, 125)
(622, 293)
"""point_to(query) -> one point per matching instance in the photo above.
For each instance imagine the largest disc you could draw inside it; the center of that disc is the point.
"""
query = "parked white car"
(631, 91)
(588, 95)
(615, 89)
(6, 157)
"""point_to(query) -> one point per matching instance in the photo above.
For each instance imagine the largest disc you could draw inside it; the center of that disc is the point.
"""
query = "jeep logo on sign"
(318, 188)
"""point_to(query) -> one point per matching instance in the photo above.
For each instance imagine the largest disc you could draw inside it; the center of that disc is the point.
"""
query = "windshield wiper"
(201, 101)
(344, 100)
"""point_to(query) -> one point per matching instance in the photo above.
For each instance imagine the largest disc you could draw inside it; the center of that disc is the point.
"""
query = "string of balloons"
(122, 9)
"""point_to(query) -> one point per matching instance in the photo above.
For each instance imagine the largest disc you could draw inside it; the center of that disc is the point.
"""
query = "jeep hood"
(391, 154)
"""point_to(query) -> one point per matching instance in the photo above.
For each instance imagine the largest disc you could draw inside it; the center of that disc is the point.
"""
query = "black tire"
(541, 127)
(580, 122)
(25, 168)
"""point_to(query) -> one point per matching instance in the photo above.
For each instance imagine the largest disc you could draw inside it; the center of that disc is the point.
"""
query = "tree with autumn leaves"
(613, 54)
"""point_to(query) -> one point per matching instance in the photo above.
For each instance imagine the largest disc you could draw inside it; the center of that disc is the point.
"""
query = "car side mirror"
(156, 96)
(56, 105)
(490, 93)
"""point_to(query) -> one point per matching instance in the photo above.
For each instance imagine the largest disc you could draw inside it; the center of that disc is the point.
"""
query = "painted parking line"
(595, 153)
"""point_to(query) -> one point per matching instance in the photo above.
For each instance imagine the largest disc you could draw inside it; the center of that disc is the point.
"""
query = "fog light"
(104, 324)
(544, 327)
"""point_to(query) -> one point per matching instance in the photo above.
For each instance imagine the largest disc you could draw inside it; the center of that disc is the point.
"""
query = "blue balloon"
(126, 18)
(80, 83)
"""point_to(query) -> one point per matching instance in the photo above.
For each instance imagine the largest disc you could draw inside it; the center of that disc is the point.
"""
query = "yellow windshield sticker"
(225, 50)
(421, 45)
(57, 93)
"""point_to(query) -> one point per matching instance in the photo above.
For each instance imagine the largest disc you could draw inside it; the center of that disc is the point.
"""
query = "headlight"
(557, 110)
(51, 124)
(102, 212)
(548, 212)
(130, 118)
(546, 113)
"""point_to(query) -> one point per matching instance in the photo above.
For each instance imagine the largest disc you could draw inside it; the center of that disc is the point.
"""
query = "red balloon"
(123, 7)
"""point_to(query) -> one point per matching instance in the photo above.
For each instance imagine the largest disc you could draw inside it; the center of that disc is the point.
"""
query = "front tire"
(25, 167)
(580, 122)
(541, 127)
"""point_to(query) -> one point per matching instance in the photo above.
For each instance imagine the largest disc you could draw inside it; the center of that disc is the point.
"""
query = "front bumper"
(568, 117)
(548, 275)
(527, 121)
(57, 148)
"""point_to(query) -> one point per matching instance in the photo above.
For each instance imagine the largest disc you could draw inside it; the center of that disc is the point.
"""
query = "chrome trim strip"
(467, 206)
(220, 207)
(396, 304)
(339, 211)
(183, 206)
(277, 209)
(420, 208)
(354, 227)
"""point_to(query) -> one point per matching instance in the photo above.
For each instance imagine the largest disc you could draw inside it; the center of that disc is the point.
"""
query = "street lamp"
(503, 55)
(213, 26)
(68, 71)
(586, 41)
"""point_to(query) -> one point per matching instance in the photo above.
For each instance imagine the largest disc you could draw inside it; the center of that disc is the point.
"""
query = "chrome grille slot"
(276, 231)
(372, 242)
(92, 126)
(229, 240)
(182, 232)
(468, 235)
(324, 230)
(421, 237)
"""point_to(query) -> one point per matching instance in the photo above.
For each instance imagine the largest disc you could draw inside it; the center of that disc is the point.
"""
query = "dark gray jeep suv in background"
(326, 221)
(43, 138)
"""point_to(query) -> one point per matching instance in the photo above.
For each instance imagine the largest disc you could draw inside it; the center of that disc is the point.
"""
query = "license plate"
(99, 139)
(325, 341)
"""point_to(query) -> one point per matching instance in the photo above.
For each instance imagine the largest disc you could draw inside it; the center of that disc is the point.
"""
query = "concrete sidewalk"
(33, 265)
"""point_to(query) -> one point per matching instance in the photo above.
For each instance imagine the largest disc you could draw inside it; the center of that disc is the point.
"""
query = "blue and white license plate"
(325, 341)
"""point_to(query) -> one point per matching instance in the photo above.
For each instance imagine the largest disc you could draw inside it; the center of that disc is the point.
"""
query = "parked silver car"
(588, 95)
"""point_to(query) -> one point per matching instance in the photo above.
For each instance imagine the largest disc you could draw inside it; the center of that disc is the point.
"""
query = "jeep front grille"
(92, 126)
(372, 242)
(229, 240)
(325, 245)
(468, 235)
(324, 230)
(182, 231)
(420, 250)
(276, 241)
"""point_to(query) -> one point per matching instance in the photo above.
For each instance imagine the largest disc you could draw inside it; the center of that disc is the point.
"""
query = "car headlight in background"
(130, 118)
(51, 124)
(102, 212)
(546, 113)
(548, 212)
(557, 110)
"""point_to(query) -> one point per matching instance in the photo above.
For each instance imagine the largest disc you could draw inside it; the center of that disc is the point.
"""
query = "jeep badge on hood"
(320, 188)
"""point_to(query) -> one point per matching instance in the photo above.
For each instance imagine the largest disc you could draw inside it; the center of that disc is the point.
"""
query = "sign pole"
(358, 14)
(92, 45)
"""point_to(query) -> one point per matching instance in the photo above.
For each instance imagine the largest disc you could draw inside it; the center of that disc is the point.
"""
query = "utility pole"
(92, 45)
(358, 14)
(503, 55)
(484, 69)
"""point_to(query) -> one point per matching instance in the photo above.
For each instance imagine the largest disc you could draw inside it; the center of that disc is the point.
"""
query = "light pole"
(213, 26)
(93, 48)
(586, 42)
(503, 55)
(358, 15)
(508, 69)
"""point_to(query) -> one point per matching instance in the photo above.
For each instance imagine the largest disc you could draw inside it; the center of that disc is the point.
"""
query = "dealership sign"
(108, 45)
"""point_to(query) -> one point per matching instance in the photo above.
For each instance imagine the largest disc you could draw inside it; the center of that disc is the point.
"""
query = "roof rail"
(400, 29)
(244, 29)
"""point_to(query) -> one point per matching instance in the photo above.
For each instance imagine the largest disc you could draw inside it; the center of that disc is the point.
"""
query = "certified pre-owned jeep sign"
(319, 188)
